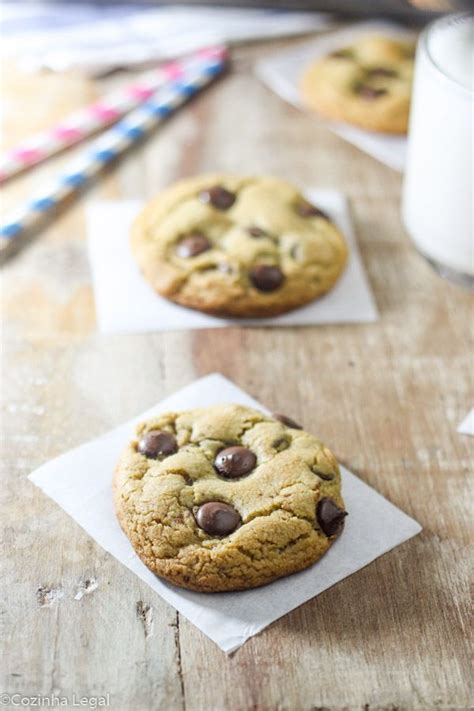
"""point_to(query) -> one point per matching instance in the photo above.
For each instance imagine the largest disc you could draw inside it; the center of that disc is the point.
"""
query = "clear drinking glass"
(437, 203)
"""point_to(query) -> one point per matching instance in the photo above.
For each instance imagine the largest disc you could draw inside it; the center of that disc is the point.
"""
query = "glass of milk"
(437, 203)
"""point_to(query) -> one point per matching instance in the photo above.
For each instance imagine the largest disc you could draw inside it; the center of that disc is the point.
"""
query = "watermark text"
(54, 701)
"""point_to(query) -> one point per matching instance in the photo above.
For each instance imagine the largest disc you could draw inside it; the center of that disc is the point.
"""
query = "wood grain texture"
(387, 397)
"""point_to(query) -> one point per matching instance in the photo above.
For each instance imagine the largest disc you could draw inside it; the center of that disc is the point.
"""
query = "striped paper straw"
(108, 110)
(112, 144)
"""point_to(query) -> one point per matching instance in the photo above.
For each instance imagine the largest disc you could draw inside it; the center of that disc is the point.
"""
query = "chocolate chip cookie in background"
(367, 84)
(226, 498)
(237, 246)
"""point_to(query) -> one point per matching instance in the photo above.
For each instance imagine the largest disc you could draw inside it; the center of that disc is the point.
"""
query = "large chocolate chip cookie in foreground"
(226, 498)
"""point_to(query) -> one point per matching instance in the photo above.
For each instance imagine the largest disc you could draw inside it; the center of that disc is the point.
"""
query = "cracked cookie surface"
(367, 84)
(227, 498)
(237, 246)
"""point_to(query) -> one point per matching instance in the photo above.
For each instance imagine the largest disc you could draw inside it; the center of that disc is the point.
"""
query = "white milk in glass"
(437, 205)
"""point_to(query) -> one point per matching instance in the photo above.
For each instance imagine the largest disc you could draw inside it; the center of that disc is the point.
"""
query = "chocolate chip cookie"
(367, 84)
(226, 498)
(236, 246)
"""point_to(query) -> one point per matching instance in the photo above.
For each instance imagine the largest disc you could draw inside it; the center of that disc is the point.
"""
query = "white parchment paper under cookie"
(125, 302)
(80, 482)
(282, 72)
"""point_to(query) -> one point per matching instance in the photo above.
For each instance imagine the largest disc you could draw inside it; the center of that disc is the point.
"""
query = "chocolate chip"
(156, 444)
(368, 92)
(193, 244)
(256, 232)
(217, 519)
(233, 462)
(286, 421)
(218, 197)
(306, 209)
(381, 72)
(330, 517)
(266, 277)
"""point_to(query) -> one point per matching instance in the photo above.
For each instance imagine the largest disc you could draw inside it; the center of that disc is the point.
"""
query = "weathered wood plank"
(387, 397)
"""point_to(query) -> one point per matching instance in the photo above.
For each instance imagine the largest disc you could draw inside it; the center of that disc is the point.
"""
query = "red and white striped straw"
(93, 118)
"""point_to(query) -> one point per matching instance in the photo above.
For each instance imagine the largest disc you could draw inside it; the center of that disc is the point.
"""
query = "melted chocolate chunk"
(193, 244)
(217, 519)
(156, 444)
(330, 517)
(218, 197)
(266, 277)
(233, 462)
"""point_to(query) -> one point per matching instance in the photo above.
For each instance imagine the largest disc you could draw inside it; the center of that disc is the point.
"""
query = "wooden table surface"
(387, 397)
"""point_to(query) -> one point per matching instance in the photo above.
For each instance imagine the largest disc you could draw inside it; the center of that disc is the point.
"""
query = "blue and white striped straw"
(112, 144)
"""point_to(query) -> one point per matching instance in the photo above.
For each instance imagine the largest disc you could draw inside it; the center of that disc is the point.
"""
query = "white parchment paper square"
(125, 302)
(282, 72)
(80, 482)
(467, 425)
